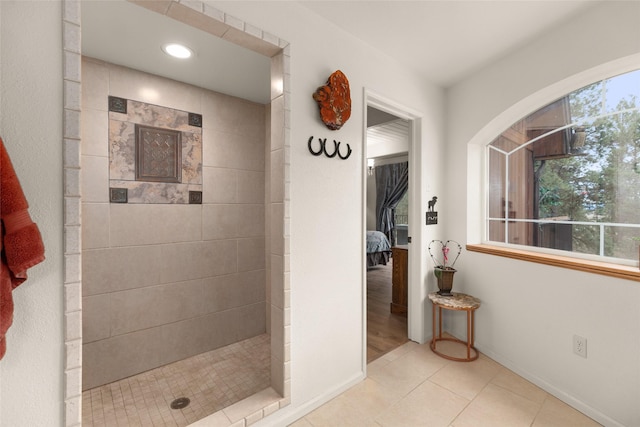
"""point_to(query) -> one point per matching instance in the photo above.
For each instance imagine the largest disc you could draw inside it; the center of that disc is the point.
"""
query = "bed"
(378, 248)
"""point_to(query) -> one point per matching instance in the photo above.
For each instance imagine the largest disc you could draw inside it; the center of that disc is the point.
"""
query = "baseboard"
(551, 389)
(290, 414)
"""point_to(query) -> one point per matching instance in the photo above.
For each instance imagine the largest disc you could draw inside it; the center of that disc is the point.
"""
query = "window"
(401, 212)
(567, 177)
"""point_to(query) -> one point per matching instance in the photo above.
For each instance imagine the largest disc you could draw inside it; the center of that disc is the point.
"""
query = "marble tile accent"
(123, 159)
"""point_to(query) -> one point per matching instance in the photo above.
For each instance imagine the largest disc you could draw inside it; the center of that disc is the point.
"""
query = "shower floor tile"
(211, 381)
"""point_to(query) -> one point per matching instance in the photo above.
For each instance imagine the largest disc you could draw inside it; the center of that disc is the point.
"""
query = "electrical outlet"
(580, 346)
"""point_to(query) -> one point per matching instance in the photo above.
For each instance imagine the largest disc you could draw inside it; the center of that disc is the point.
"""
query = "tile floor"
(212, 381)
(411, 386)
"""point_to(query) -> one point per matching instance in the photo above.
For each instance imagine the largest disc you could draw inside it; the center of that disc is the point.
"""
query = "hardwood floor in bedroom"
(385, 331)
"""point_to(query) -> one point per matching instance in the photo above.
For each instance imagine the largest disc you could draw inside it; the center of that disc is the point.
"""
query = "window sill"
(606, 269)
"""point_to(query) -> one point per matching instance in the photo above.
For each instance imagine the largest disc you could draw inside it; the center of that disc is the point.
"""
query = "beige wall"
(162, 282)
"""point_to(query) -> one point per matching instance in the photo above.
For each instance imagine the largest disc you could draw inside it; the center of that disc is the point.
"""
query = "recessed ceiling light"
(177, 50)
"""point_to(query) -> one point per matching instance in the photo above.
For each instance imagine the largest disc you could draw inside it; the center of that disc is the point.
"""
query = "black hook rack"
(323, 149)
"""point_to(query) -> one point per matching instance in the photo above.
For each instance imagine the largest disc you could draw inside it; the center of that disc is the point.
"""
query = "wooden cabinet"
(400, 257)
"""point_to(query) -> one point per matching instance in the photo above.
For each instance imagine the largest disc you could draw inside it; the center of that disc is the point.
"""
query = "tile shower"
(165, 279)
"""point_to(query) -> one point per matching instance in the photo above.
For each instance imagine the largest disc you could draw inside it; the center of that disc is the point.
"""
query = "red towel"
(21, 243)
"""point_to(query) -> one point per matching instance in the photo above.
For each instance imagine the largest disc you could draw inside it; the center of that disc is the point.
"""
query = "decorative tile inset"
(155, 152)
(118, 195)
(158, 154)
(117, 105)
(195, 120)
(195, 197)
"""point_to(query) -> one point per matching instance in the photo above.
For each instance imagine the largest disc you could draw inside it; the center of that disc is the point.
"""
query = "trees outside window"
(568, 175)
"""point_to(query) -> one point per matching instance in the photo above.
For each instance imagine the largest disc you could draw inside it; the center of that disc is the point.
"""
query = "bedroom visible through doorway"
(387, 224)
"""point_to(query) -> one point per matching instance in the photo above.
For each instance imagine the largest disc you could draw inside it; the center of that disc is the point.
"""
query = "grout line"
(147, 396)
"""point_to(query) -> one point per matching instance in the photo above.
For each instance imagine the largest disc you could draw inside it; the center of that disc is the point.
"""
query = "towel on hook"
(20, 243)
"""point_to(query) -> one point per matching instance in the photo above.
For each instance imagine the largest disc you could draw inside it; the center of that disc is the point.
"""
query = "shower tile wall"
(162, 282)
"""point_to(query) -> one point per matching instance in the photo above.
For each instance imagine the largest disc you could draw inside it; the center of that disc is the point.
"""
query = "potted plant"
(443, 269)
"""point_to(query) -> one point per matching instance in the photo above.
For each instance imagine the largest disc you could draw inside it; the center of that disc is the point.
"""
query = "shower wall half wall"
(166, 281)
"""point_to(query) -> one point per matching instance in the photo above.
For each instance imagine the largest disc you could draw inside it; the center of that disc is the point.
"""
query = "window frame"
(591, 266)
(478, 165)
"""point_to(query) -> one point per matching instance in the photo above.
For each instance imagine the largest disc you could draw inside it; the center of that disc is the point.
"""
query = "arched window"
(567, 177)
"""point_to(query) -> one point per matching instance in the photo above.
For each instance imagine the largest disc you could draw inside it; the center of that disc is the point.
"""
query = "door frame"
(416, 309)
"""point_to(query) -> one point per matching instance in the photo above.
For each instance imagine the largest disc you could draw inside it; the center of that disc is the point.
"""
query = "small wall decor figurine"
(432, 203)
(432, 215)
(334, 100)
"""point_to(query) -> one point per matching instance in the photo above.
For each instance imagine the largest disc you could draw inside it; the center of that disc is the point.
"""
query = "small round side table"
(456, 301)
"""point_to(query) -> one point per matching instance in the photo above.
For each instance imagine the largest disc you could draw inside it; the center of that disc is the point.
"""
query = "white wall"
(530, 312)
(327, 260)
(326, 212)
(31, 372)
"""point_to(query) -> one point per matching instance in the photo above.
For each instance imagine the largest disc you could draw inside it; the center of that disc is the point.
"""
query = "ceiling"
(126, 34)
(445, 41)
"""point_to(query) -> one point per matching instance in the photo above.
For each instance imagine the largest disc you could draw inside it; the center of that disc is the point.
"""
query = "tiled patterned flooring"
(212, 381)
(411, 386)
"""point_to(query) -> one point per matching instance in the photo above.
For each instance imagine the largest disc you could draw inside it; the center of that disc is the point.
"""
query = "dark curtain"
(392, 182)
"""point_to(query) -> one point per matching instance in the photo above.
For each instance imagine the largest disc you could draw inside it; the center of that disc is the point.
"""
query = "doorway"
(387, 213)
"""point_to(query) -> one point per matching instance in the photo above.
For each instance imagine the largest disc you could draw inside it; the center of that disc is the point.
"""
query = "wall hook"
(348, 152)
(323, 148)
(336, 147)
(322, 144)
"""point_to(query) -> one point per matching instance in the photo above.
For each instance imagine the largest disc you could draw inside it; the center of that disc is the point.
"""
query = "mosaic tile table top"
(155, 153)
(457, 301)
